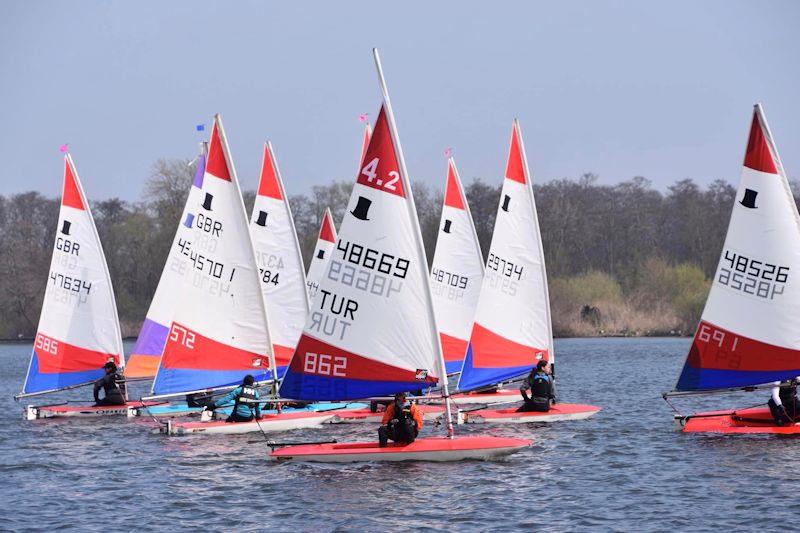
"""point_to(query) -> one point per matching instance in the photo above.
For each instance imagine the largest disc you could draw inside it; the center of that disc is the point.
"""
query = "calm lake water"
(624, 469)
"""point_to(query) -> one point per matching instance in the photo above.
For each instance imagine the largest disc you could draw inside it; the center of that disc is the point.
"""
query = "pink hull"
(755, 420)
(557, 413)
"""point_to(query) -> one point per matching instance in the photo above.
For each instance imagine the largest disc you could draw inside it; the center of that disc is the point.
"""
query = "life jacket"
(246, 396)
(788, 396)
(115, 388)
(541, 386)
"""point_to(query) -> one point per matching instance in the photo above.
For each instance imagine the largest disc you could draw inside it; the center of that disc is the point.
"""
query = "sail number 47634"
(751, 276)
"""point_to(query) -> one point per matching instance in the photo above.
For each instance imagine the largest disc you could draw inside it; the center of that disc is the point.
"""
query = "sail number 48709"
(324, 364)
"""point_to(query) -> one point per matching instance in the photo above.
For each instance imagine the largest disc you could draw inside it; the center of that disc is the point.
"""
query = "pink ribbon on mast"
(63, 148)
(362, 117)
(448, 152)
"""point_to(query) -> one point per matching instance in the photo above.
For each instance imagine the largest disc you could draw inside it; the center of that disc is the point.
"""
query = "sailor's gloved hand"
(259, 418)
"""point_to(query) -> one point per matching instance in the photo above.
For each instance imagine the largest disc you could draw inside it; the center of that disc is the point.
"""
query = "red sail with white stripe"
(512, 329)
(219, 330)
(371, 330)
(280, 263)
(78, 328)
(322, 252)
(456, 273)
(749, 332)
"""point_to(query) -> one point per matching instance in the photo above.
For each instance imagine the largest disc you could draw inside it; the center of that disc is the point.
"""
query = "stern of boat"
(30, 413)
(679, 421)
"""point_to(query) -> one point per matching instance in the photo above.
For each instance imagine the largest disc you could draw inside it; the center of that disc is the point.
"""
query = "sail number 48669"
(324, 364)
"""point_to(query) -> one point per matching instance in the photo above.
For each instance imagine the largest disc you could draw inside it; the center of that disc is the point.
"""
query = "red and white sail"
(456, 273)
(371, 330)
(219, 331)
(749, 332)
(280, 263)
(322, 253)
(512, 329)
(78, 328)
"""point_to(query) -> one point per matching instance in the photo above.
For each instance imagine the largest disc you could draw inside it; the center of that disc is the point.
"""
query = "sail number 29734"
(324, 364)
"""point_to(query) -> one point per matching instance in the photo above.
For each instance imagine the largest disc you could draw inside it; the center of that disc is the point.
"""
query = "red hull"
(754, 420)
(425, 449)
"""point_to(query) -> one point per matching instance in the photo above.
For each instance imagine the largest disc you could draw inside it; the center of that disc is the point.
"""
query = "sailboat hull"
(557, 413)
(427, 449)
(754, 420)
(268, 424)
(35, 412)
(488, 398)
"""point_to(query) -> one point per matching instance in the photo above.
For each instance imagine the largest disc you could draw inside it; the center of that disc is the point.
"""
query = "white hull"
(33, 412)
(235, 428)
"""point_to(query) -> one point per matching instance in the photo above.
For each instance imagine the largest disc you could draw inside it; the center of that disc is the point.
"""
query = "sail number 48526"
(324, 364)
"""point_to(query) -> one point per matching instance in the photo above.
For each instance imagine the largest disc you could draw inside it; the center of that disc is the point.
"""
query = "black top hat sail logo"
(447, 224)
(321, 254)
(506, 201)
(207, 201)
(189, 220)
(749, 199)
(362, 208)
(65, 227)
(262, 219)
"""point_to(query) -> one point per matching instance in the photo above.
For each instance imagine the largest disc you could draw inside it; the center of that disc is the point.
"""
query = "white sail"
(372, 330)
(219, 331)
(748, 333)
(78, 328)
(326, 240)
(512, 329)
(280, 262)
(456, 272)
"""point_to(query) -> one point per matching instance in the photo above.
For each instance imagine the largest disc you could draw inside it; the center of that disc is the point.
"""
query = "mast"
(421, 248)
(526, 169)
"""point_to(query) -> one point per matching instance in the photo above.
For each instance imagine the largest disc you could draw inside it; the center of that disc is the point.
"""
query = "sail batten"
(748, 332)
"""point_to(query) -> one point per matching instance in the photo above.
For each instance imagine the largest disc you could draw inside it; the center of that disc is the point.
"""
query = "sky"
(662, 90)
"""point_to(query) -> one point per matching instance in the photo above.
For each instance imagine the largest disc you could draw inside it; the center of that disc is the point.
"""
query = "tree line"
(624, 259)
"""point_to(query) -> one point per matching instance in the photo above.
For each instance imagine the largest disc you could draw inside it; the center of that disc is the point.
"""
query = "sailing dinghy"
(280, 262)
(322, 252)
(219, 330)
(143, 361)
(372, 329)
(747, 334)
(456, 272)
(78, 328)
(512, 331)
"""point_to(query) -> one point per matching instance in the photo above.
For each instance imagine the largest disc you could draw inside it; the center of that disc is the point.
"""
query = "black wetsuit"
(114, 386)
(404, 430)
(542, 392)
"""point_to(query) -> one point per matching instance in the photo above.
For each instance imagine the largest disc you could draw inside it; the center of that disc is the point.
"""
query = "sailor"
(401, 422)
(543, 390)
(113, 384)
(245, 400)
(784, 404)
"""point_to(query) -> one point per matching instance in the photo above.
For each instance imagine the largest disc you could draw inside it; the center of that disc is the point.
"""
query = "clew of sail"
(512, 329)
(322, 252)
(456, 272)
(280, 263)
(143, 361)
(371, 330)
(78, 328)
(219, 331)
(748, 332)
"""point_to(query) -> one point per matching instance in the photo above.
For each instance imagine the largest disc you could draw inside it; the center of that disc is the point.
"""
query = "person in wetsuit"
(245, 400)
(401, 422)
(113, 384)
(784, 404)
(543, 390)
